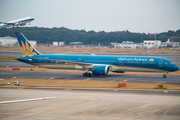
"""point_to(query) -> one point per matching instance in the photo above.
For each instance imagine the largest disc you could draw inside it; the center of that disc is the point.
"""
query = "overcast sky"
(149, 16)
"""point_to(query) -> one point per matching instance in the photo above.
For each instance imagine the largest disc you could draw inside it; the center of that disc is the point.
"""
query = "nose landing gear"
(164, 76)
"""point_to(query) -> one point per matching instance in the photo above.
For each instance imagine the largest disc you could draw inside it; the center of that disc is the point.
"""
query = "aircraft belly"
(134, 69)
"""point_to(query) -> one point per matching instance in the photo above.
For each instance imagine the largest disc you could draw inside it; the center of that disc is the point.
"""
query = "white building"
(11, 41)
(61, 44)
(147, 44)
(169, 44)
(8, 41)
(127, 44)
(55, 43)
(152, 43)
(33, 42)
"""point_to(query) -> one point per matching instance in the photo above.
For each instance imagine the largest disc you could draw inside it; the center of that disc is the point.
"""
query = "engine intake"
(101, 70)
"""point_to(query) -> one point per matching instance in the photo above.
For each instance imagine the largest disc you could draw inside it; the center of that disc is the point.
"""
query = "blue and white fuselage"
(97, 64)
(16, 23)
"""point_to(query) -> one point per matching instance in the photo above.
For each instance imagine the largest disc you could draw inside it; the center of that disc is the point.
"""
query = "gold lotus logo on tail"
(151, 59)
(27, 50)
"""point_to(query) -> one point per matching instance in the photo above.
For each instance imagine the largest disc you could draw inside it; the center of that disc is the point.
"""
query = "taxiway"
(88, 105)
(78, 76)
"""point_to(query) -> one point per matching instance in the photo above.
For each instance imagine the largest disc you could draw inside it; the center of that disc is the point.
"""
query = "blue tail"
(26, 48)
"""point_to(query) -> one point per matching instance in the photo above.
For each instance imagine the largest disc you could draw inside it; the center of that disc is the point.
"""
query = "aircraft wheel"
(164, 76)
(89, 74)
(84, 74)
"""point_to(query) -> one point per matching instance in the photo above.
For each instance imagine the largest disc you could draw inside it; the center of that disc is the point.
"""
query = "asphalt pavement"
(77, 76)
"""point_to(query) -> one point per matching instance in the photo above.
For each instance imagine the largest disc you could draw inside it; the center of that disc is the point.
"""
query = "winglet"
(26, 48)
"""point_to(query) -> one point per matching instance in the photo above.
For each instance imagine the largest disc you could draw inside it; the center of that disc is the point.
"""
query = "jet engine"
(101, 70)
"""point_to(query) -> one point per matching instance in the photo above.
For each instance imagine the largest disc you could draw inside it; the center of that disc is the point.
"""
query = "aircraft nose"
(177, 68)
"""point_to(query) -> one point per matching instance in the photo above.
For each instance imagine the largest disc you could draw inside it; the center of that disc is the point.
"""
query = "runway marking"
(13, 77)
(1, 79)
(24, 100)
(99, 99)
(51, 78)
(88, 79)
(116, 90)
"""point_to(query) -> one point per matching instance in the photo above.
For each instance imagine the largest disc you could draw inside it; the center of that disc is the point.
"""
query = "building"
(55, 43)
(11, 41)
(127, 44)
(76, 44)
(169, 44)
(151, 44)
(33, 42)
(8, 41)
(61, 44)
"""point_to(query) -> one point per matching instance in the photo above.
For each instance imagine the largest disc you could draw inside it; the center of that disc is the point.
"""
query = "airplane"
(93, 64)
(18, 22)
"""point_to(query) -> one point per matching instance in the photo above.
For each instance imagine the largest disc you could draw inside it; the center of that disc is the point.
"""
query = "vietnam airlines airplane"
(93, 64)
(18, 22)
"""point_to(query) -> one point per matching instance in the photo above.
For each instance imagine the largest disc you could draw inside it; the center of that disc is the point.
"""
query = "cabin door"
(160, 63)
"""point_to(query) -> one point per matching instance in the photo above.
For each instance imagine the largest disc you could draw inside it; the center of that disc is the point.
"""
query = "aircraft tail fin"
(26, 48)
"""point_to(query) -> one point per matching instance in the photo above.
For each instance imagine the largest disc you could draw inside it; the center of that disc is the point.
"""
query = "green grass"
(84, 84)
(8, 59)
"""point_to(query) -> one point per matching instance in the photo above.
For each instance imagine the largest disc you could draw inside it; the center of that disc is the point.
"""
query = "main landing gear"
(87, 74)
(164, 76)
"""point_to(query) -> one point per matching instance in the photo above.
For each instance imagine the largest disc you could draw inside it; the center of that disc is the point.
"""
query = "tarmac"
(77, 76)
(87, 105)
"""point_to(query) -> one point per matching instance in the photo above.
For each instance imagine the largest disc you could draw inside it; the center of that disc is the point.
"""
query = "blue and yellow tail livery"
(26, 48)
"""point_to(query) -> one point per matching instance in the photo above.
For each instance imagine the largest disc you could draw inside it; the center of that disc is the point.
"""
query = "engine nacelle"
(101, 70)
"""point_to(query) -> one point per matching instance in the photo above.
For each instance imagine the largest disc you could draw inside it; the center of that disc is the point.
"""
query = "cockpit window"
(171, 62)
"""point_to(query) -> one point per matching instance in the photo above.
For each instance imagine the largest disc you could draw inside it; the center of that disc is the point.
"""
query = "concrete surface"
(88, 105)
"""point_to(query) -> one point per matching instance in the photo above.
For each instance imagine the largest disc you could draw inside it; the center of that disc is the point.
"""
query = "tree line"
(48, 35)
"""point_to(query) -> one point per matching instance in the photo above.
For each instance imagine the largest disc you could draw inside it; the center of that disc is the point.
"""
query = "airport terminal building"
(149, 44)
(11, 41)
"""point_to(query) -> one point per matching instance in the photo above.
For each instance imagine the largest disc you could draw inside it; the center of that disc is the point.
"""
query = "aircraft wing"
(7, 23)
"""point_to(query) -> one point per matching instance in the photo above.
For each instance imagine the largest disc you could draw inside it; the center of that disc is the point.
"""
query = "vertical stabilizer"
(26, 48)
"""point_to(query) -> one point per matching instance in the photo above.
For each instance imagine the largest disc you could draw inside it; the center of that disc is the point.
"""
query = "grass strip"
(85, 84)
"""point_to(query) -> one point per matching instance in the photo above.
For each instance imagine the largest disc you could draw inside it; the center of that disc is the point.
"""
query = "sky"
(148, 16)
